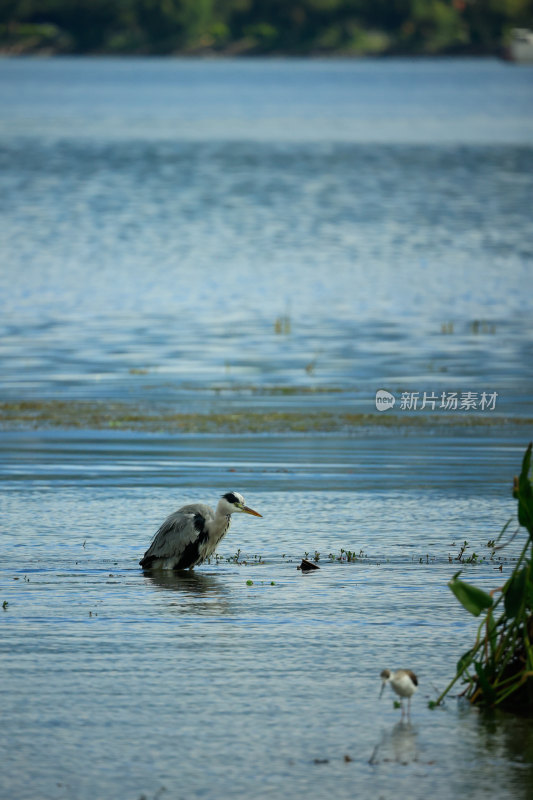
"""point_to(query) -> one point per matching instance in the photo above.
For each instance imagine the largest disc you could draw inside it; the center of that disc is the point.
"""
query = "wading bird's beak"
(383, 684)
(250, 511)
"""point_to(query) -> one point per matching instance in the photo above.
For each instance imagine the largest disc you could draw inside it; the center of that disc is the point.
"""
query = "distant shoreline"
(292, 29)
(217, 55)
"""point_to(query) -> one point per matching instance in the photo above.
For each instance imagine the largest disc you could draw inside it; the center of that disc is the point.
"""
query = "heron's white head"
(233, 501)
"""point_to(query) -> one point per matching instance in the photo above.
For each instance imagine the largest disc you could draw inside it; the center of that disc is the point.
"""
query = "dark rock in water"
(307, 566)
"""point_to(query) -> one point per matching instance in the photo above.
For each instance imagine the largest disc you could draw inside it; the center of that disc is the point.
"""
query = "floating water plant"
(282, 325)
(306, 556)
(347, 555)
(498, 668)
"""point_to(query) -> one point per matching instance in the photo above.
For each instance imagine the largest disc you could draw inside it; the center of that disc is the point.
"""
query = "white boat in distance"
(521, 46)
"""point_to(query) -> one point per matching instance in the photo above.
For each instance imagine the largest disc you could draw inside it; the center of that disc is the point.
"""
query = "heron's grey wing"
(178, 531)
(198, 508)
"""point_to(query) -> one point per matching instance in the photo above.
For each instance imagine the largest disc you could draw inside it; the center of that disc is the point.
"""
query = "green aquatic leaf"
(515, 592)
(525, 494)
(492, 634)
(503, 530)
(487, 689)
(473, 599)
(464, 661)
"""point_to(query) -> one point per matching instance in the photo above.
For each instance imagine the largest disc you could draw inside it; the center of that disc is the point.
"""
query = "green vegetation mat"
(109, 415)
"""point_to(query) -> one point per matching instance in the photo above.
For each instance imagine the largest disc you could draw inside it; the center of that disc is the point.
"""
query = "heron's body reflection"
(189, 582)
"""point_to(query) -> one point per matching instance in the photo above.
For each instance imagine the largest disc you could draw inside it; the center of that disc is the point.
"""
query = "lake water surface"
(207, 270)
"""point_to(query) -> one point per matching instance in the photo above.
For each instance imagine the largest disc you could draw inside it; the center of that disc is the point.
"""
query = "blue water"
(219, 237)
(461, 101)
(133, 241)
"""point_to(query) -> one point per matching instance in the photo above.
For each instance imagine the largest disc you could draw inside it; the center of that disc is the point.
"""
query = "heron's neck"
(220, 523)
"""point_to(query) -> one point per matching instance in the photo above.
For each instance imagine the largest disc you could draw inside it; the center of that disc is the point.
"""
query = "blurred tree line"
(232, 27)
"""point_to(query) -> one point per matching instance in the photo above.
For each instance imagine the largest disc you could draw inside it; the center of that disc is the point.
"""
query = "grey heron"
(190, 535)
(404, 683)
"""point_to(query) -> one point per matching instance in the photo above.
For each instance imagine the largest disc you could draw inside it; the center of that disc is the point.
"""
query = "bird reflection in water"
(193, 583)
(398, 745)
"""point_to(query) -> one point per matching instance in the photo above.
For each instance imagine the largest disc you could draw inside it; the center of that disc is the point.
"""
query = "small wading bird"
(403, 681)
(190, 535)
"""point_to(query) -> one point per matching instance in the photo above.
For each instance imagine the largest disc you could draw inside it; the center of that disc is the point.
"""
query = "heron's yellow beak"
(250, 511)
(384, 683)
